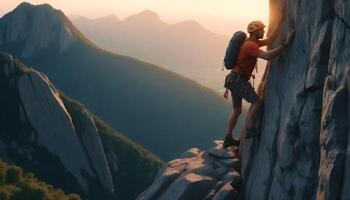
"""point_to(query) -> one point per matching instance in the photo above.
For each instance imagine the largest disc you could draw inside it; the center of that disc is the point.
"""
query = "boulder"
(227, 192)
(232, 177)
(190, 186)
(219, 152)
(197, 175)
(191, 153)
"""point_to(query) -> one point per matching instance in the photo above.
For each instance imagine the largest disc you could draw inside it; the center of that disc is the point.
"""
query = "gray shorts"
(240, 88)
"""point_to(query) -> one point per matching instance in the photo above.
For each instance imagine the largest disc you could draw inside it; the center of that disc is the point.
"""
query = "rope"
(343, 20)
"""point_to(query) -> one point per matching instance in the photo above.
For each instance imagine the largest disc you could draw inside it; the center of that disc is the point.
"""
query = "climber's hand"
(289, 38)
(226, 94)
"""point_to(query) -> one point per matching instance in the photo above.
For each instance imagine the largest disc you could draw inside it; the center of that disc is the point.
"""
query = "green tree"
(13, 175)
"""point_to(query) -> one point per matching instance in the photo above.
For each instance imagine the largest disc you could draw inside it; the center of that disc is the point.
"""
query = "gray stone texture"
(303, 149)
(197, 175)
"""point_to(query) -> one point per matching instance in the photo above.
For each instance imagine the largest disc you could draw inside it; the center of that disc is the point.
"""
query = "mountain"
(47, 133)
(186, 47)
(107, 22)
(148, 104)
(303, 151)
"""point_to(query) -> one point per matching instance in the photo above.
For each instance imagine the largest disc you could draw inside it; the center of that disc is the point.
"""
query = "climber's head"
(256, 28)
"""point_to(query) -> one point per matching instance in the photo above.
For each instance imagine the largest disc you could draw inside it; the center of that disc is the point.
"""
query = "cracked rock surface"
(303, 149)
(198, 174)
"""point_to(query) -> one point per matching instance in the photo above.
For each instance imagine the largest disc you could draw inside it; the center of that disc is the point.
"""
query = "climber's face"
(261, 33)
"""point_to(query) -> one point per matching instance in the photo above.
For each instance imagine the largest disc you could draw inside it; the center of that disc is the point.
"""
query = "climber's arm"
(269, 55)
(226, 94)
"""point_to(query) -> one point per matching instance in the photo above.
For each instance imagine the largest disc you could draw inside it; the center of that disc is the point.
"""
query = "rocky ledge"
(197, 174)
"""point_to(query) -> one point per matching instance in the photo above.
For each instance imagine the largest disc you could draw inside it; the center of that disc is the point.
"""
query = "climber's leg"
(248, 93)
(233, 119)
(253, 113)
(237, 110)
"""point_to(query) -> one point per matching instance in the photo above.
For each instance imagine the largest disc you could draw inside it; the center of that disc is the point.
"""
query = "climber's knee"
(237, 110)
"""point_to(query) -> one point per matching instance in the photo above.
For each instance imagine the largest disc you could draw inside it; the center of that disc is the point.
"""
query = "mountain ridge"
(148, 14)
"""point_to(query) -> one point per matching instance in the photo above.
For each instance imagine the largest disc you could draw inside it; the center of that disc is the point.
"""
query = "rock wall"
(303, 149)
(52, 124)
(92, 144)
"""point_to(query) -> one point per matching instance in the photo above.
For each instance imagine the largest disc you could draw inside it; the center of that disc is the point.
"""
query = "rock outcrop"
(78, 149)
(198, 175)
(52, 125)
(45, 132)
(303, 148)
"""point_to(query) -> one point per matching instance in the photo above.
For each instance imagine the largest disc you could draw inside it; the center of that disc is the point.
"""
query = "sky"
(220, 16)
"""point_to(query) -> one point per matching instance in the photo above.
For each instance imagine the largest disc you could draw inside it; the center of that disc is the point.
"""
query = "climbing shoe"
(251, 133)
(230, 141)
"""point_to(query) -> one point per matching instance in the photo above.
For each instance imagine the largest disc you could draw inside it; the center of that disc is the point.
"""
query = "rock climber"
(237, 82)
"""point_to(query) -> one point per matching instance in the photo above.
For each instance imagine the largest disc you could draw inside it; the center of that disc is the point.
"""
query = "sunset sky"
(221, 16)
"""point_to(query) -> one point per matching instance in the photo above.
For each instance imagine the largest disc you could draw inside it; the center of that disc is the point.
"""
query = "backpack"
(233, 48)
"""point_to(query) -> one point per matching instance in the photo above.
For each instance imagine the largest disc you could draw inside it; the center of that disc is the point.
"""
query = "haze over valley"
(185, 47)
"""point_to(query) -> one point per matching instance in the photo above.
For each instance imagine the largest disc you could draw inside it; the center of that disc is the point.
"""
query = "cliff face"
(303, 149)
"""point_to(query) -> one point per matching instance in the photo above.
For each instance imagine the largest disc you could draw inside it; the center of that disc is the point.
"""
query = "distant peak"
(149, 13)
(26, 5)
(43, 12)
(146, 15)
(49, 25)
